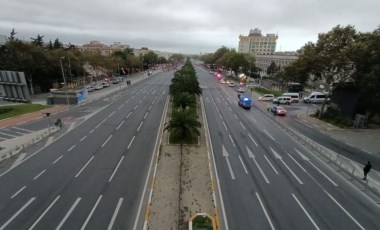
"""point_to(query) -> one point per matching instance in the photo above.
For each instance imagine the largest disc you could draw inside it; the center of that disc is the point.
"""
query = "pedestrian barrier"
(352, 169)
(30, 140)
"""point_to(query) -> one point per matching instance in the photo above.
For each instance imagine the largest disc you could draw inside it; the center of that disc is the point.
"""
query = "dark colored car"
(245, 102)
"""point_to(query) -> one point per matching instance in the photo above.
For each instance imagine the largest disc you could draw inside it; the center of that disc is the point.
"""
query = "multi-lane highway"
(267, 179)
(94, 173)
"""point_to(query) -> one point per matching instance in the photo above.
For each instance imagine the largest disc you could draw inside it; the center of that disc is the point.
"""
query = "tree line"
(341, 57)
(41, 62)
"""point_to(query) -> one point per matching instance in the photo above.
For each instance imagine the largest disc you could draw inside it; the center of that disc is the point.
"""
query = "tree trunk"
(30, 79)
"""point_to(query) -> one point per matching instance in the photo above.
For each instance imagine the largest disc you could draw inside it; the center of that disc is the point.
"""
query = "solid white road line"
(17, 213)
(320, 171)
(114, 171)
(278, 156)
(20, 190)
(344, 210)
(242, 163)
(266, 132)
(49, 141)
(115, 214)
(68, 213)
(291, 171)
(121, 123)
(59, 158)
(80, 171)
(233, 143)
(106, 141)
(304, 210)
(299, 165)
(44, 213)
(265, 212)
(130, 143)
(82, 138)
(253, 139)
(270, 163)
(91, 213)
(39, 174)
(18, 160)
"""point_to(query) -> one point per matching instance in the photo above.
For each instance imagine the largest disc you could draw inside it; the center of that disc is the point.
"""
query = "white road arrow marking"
(225, 154)
(250, 154)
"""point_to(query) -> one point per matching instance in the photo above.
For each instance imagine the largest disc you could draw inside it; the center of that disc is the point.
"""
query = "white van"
(295, 96)
(315, 97)
(283, 100)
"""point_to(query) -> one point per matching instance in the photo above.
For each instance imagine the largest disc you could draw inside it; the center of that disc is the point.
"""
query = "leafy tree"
(366, 56)
(272, 69)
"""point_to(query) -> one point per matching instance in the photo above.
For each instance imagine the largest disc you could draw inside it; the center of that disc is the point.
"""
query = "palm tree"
(183, 125)
(184, 100)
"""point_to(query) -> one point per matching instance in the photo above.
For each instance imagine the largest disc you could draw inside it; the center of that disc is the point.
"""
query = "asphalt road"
(270, 181)
(93, 174)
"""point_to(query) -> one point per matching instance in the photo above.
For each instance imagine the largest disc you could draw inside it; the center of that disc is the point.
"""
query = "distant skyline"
(189, 27)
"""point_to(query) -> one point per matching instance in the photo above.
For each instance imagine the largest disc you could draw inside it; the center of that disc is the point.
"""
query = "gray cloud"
(183, 26)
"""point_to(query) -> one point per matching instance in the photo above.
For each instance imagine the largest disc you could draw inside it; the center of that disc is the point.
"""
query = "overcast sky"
(190, 27)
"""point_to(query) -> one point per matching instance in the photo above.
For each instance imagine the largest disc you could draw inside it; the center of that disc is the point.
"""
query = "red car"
(278, 110)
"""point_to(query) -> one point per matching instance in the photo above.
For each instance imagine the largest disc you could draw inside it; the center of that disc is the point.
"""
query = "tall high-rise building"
(256, 43)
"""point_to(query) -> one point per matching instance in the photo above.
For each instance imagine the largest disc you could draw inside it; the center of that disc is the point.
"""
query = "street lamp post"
(64, 81)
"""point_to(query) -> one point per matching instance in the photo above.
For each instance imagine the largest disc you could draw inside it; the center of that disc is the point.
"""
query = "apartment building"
(257, 44)
(96, 46)
(281, 59)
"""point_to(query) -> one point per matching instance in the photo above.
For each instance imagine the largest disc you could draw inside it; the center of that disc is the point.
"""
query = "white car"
(240, 90)
(97, 87)
(222, 81)
(231, 84)
(90, 88)
(266, 97)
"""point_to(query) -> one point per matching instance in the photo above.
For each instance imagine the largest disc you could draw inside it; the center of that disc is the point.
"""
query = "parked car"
(98, 87)
(231, 84)
(222, 81)
(266, 97)
(315, 97)
(278, 110)
(240, 89)
(90, 88)
(283, 100)
(295, 96)
(245, 103)
(105, 84)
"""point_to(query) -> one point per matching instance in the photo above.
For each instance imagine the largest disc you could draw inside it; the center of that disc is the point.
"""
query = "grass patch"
(202, 223)
(335, 119)
(267, 91)
(17, 110)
